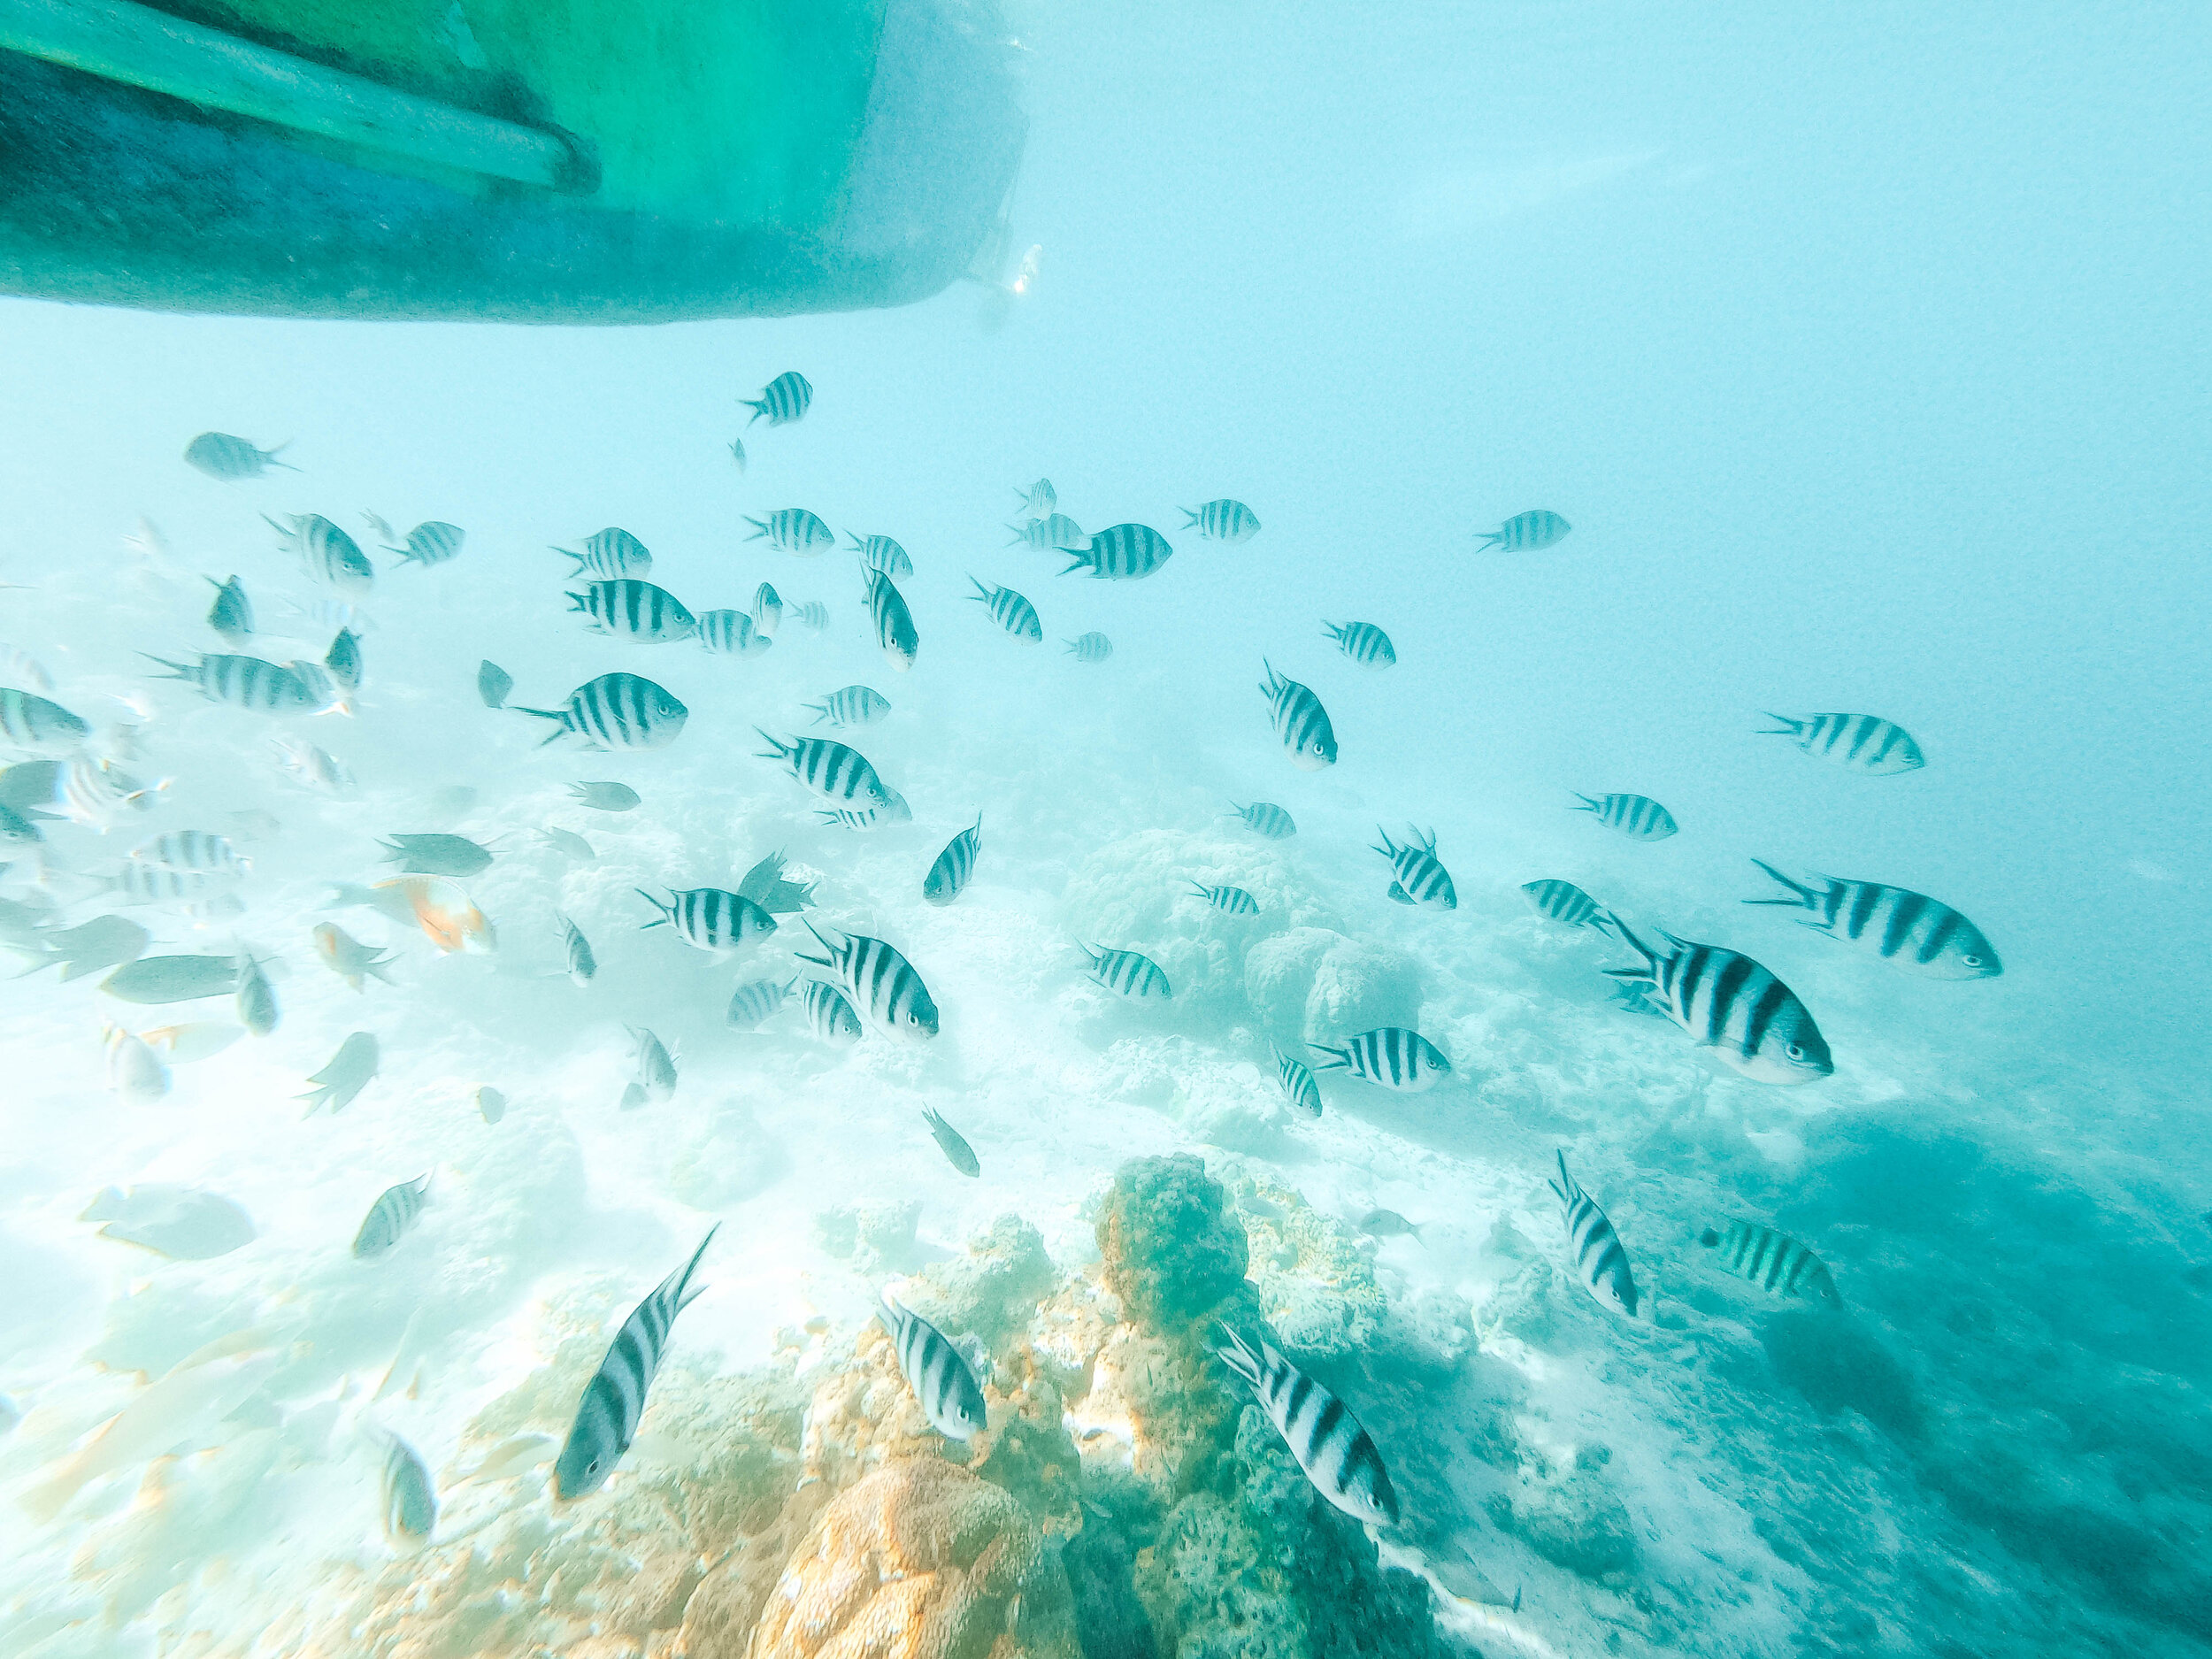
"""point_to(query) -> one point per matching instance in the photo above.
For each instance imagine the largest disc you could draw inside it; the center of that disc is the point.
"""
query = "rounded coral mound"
(1170, 1252)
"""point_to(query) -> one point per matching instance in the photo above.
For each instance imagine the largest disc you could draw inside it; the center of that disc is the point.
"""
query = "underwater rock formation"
(1311, 985)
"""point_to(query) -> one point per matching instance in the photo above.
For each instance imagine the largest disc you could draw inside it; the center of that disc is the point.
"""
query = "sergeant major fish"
(1090, 648)
(1391, 1056)
(30, 721)
(1297, 1081)
(577, 950)
(944, 1385)
(617, 711)
(1364, 642)
(752, 1002)
(829, 1016)
(839, 775)
(880, 553)
(231, 615)
(813, 614)
(1638, 816)
(1421, 878)
(1012, 612)
(333, 558)
(609, 553)
(882, 983)
(614, 1399)
(1229, 900)
(767, 609)
(792, 530)
(1529, 532)
(1862, 743)
(1128, 973)
(893, 622)
(1776, 1263)
(949, 876)
(1338, 1457)
(255, 1000)
(411, 1502)
(1223, 521)
(221, 456)
(1899, 926)
(390, 1218)
(1265, 819)
(711, 919)
(1565, 902)
(654, 1070)
(785, 399)
(1752, 1022)
(851, 705)
(1300, 721)
(1040, 499)
(1055, 533)
(731, 634)
(244, 682)
(635, 611)
(431, 542)
(1125, 552)
(1600, 1263)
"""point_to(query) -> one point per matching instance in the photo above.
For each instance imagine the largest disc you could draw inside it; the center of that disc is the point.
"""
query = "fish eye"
(592, 1468)
(1971, 960)
(1796, 1051)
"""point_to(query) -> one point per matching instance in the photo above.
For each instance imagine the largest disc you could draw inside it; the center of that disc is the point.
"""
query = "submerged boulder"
(1171, 1250)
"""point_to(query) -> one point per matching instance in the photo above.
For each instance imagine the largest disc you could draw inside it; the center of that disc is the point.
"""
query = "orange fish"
(443, 911)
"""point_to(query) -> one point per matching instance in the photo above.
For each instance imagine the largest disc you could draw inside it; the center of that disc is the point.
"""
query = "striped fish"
(318, 768)
(192, 849)
(30, 721)
(611, 553)
(342, 661)
(653, 1069)
(1896, 923)
(244, 682)
(946, 1389)
(1090, 648)
(953, 1144)
(1223, 521)
(1054, 534)
(1228, 901)
(157, 884)
(411, 1502)
(231, 615)
(1323, 1436)
(1422, 879)
(753, 1002)
(838, 774)
(492, 683)
(333, 558)
(814, 614)
(431, 542)
(1125, 552)
(1776, 1263)
(894, 810)
(1528, 532)
(783, 400)
(883, 984)
(614, 1399)
(1600, 1263)
(792, 530)
(711, 918)
(255, 1000)
(1638, 816)
(635, 610)
(1128, 973)
(321, 688)
(851, 705)
(1391, 1056)
(1753, 1022)
(1039, 500)
(1010, 611)
(731, 634)
(881, 554)
(390, 1217)
(1864, 742)
(99, 793)
(617, 711)
(948, 878)
(606, 797)
(577, 951)
(893, 622)
(1300, 721)
(1297, 1081)
(829, 1016)
(1565, 902)
(1364, 642)
(1265, 817)
(767, 609)
(219, 454)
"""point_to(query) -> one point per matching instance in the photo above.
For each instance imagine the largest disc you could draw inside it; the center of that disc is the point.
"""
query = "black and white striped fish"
(1297, 1080)
(1300, 721)
(192, 849)
(731, 634)
(1364, 642)
(138, 883)
(1600, 1263)
(894, 810)
(652, 1070)
(1129, 973)
(1223, 521)
(244, 682)
(582, 963)
(617, 711)
(947, 877)
(1528, 532)
(342, 661)
(1565, 902)
(411, 1502)
(219, 454)
(1090, 648)
(946, 1389)
(813, 613)
(390, 1217)
(1864, 742)
(1896, 923)
(1422, 879)
(1054, 534)
(851, 705)
(1123, 552)
(839, 775)
(792, 530)
(1323, 1435)
(333, 558)
(1776, 1263)
(1265, 819)
(829, 1016)
(893, 622)
(953, 1144)
(1752, 1022)
(636, 611)
(431, 542)
(614, 1399)
(1638, 816)
(753, 1002)
(1391, 1056)
(1040, 499)
(883, 984)
(767, 609)
(711, 918)
(324, 693)
(231, 615)
(492, 683)
(611, 553)
(1010, 611)
(882, 553)
(30, 721)
(783, 400)
(1229, 900)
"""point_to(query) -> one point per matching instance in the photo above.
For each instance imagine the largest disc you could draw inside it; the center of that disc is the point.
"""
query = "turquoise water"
(1862, 351)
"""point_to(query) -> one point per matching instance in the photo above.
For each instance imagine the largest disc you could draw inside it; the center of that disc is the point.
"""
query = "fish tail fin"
(177, 671)
(1078, 560)
(1590, 803)
(1334, 1060)
(685, 1294)
(760, 406)
(780, 751)
(1019, 537)
(1190, 517)
(1237, 1355)
(1565, 1187)
(1800, 895)
(667, 912)
(981, 592)
(1786, 728)
(1388, 849)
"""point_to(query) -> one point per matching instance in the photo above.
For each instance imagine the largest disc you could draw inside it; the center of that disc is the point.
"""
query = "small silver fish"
(581, 963)
(134, 1070)
(606, 797)
(350, 1071)
(656, 1069)
(958, 1152)
(318, 768)
(437, 854)
(232, 613)
(568, 842)
(492, 683)
(389, 1219)
(752, 1002)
